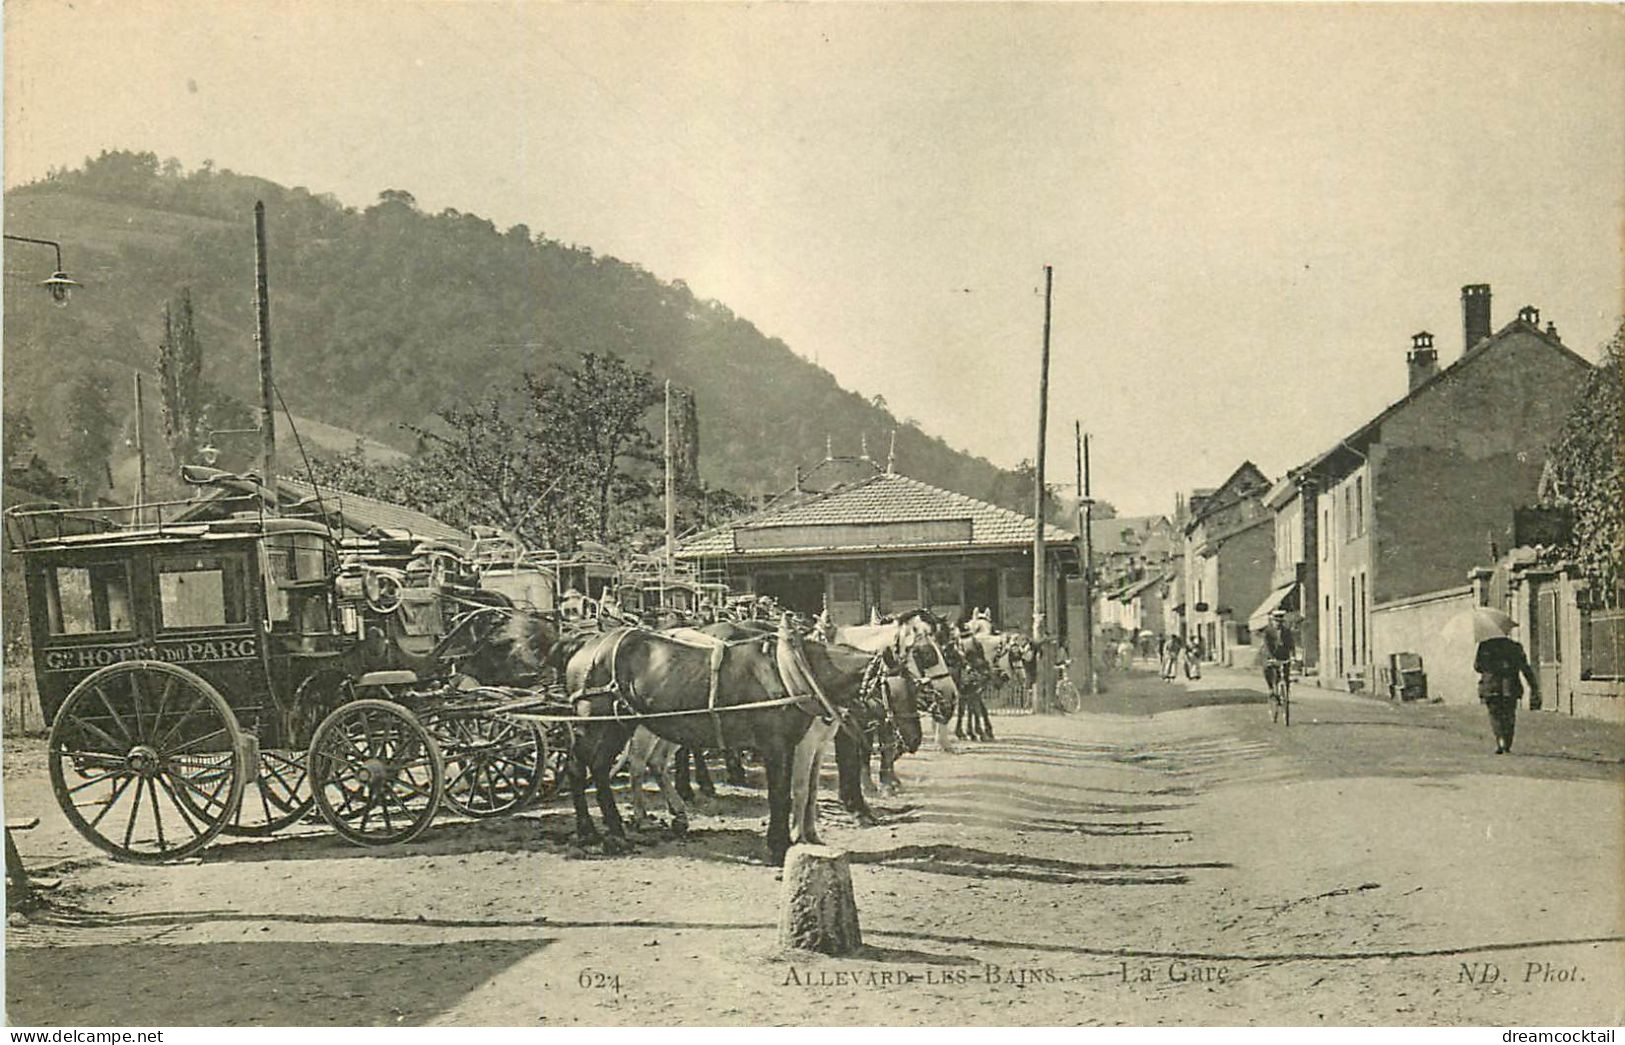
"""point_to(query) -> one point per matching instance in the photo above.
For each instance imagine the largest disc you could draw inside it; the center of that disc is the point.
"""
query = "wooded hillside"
(384, 315)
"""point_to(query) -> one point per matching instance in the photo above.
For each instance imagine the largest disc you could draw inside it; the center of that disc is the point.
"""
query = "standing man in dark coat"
(1502, 665)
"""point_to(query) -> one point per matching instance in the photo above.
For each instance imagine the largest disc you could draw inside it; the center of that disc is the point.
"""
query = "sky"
(1248, 209)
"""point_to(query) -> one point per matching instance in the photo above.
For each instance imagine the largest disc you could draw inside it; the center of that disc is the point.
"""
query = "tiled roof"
(1372, 427)
(1128, 591)
(886, 498)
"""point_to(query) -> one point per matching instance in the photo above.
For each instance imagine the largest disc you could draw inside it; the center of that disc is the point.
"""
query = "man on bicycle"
(1278, 647)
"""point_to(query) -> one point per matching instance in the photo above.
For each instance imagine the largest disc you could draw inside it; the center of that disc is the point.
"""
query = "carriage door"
(1545, 644)
(846, 599)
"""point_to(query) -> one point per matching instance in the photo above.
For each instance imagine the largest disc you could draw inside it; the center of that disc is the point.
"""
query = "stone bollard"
(817, 911)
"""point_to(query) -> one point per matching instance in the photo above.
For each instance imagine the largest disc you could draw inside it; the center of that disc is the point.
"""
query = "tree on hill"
(180, 379)
(1585, 471)
(192, 409)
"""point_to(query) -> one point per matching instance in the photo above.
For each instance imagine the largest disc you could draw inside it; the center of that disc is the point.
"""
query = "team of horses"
(782, 688)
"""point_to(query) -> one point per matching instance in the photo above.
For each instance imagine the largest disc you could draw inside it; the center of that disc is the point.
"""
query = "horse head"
(514, 649)
(921, 644)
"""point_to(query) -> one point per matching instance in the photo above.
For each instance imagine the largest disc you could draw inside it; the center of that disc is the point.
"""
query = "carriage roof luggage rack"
(34, 526)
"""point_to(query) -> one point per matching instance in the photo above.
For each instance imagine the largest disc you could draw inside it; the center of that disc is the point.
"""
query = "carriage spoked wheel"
(376, 774)
(493, 766)
(146, 761)
(275, 797)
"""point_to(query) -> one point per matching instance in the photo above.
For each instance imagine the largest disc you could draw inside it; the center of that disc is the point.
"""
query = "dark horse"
(874, 695)
(681, 685)
(975, 675)
(636, 673)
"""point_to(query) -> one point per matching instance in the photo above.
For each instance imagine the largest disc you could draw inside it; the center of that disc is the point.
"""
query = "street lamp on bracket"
(60, 284)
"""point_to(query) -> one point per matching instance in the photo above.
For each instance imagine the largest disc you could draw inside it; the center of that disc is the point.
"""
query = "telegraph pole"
(671, 493)
(140, 453)
(1046, 680)
(1086, 518)
(262, 337)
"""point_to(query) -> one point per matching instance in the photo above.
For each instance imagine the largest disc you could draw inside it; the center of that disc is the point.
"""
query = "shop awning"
(1284, 598)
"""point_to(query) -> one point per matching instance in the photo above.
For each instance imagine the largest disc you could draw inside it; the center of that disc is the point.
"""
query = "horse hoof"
(616, 846)
(679, 826)
(867, 820)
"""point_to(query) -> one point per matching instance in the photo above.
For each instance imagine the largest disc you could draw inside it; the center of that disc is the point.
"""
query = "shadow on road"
(961, 861)
(276, 983)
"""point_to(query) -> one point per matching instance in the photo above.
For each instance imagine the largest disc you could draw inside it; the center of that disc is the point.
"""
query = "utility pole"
(262, 337)
(671, 493)
(140, 453)
(1086, 554)
(1046, 678)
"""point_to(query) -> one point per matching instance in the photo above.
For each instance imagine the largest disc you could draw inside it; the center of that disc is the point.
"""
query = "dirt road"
(1165, 856)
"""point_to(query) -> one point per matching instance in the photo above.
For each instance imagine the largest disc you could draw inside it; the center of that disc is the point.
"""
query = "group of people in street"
(1175, 653)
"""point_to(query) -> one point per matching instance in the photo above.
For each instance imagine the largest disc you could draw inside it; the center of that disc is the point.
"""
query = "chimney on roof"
(1551, 331)
(1531, 315)
(1475, 313)
(1422, 361)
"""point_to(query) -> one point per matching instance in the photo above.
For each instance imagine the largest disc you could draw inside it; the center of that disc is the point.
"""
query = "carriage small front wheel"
(146, 759)
(376, 774)
(493, 766)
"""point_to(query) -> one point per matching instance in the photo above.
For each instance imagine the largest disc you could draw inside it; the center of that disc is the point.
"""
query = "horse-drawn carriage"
(223, 677)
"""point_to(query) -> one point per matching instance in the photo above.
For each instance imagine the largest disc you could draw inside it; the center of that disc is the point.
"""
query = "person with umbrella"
(1502, 666)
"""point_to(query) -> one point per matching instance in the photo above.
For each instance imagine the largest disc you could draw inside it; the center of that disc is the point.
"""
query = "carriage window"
(85, 599)
(201, 591)
(297, 559)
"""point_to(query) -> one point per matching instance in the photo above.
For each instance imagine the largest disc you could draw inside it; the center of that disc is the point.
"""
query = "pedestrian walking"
(1193, 658)
(1171, 656)
(1502, 666)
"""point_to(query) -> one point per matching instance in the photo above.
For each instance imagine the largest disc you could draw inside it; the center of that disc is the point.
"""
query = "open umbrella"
(1489, 623)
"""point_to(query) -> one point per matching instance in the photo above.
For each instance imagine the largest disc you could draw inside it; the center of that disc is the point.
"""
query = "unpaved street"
(1165, 856)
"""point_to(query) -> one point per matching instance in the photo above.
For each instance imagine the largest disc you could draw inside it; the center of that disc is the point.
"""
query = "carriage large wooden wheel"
(146, 761)
(493, 766)
(278, 794)
(376, 773)
(275, 796)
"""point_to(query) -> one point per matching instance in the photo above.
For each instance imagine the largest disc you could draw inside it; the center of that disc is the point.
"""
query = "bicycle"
(1281, 692)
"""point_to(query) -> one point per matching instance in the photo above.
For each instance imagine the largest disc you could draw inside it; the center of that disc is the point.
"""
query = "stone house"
(1411, 501)
(1229, 554)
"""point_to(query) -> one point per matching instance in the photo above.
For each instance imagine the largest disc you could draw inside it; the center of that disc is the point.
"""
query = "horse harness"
(790, 660)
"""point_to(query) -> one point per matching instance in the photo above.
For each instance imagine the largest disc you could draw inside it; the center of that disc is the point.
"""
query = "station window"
(200, 591)
(1018, 584)
(902, 589)
(941, 588)
(844, 587)
(82, 600)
